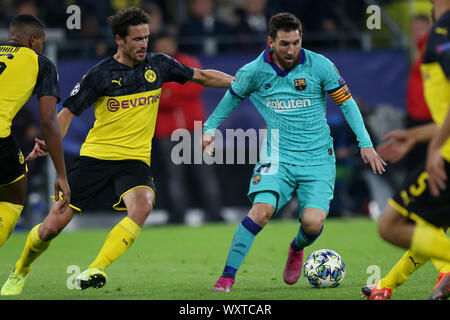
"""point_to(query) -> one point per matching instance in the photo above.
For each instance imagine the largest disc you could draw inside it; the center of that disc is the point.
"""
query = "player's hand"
(397, 144)
(208, 144)
(370, 156)
(39, 150)
(62, 193)
(435, 167)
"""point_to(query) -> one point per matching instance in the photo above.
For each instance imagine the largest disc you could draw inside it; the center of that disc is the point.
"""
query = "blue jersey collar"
(281, 73)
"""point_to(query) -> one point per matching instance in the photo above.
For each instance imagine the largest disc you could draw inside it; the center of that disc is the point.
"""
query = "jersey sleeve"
(243, 84)
(443, 52)
(332, 82)
(85, 92)
(174, 70)
(47, 79)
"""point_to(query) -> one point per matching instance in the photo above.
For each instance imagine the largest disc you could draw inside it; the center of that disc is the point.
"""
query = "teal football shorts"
(314, 185)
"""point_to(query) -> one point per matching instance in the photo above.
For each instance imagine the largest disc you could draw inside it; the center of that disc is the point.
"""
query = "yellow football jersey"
(22, 73)
(126, 104)
(436, 74)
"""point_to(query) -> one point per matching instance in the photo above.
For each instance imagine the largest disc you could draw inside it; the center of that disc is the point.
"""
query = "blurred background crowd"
(380, 66)
(204, 26)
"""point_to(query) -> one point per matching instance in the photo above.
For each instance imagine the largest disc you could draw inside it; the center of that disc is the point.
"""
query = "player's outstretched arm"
(212, 78)
(354, 118)
(65, 117)
(398, 143)
(226, 106)
(53, 141)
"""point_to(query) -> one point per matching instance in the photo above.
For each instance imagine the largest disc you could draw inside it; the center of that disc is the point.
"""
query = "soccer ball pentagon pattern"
(324, 268)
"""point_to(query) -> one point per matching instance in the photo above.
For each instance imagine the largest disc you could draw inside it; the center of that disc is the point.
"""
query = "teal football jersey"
(293, 105)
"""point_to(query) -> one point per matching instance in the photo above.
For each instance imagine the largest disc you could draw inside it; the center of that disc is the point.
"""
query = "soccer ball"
(324, 268)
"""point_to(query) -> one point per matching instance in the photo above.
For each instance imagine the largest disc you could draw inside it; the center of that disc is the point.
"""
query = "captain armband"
(341, 95)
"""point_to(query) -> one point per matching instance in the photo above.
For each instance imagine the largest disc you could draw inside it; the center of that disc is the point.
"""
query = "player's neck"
(125, 60)
(15, 41)
(276, 61)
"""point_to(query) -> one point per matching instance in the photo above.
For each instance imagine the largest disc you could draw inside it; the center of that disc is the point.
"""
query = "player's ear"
(119, 40)
(270, 42)
(34, 43)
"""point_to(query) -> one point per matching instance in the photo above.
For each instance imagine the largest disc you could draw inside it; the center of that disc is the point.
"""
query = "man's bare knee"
(261, 213)
(140, 211)
(55, 222)
(313, 220)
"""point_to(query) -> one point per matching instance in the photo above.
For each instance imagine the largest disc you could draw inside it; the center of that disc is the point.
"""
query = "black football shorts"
(88, 177)
(12, 161)
(413, 198)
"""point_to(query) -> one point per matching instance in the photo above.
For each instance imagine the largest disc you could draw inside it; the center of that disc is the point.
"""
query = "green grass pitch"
(183, 263)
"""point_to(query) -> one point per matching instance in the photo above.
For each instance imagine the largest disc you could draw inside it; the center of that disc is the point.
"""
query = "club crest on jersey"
(257, 179)
(300, 84)
(150, 76)
(21, 158)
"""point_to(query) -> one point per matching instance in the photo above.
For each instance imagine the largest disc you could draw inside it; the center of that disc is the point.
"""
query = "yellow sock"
(407, 264)
(34, 246)
(427, 241)
(117, 242)
(441, 266)
(9, 214)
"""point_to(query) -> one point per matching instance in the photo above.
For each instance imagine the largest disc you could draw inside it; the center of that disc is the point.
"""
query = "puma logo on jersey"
(117, 81)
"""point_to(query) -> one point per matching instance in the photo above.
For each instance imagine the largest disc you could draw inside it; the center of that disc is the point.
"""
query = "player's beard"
(134, 56)
(287, 65)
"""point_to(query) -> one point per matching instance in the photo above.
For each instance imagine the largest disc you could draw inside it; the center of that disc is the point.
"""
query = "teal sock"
(240, 246)
(303, 240)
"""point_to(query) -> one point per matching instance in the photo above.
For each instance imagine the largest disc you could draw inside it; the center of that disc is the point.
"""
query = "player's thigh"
(390, 220)
(414, 200)
(315, 187)
(267, 181)
(15, 192)
(135, 188)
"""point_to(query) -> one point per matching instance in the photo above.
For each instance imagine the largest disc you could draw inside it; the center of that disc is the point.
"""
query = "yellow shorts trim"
(410, 215)
(78, 210)
(17, 179)
(115, 206)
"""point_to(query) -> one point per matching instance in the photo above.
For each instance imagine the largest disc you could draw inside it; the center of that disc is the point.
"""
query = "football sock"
(120, 238)
(240, 246)
(302, 239)
(34, 246)
(407, 264)
(427, 241)
(9, 214)
(441, 266)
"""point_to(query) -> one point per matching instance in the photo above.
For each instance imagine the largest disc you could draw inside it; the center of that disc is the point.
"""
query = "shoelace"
(14, 277)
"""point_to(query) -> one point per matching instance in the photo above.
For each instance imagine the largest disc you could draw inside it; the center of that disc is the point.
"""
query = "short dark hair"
(284, 21)
(26, 20)
(124, 18)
